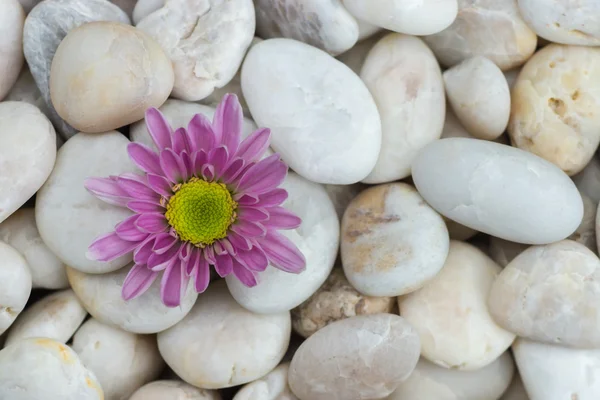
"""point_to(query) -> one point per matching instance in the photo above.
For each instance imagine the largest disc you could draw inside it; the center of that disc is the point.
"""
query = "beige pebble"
(12, 18)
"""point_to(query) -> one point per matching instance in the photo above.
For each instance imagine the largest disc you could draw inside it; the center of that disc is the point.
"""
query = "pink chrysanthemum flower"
(206, 198)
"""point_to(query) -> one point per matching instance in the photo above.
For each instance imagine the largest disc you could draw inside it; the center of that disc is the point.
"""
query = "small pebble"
(12, 18)
(273, 386)
(15, 285)
(174, 390)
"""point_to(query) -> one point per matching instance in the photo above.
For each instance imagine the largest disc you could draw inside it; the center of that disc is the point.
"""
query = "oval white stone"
(273, 386)
(405, 80)
(237, 346)
(101, 296)
(364, 357)
(317, 238)
(323, 120)
(70, 218)
(12, 18)
(173, 390)
(498, 190)
(15, 285)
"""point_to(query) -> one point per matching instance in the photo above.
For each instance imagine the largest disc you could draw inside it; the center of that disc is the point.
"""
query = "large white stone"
(70, 218)
(392, 241)
(317, 238)
(418, 18)
(101, 297)
(498, 190)
(273, 386)
(554, 106)
(450, 313)
(489, 28)
(219, 344)
(12, 18)
(15, 285)
(56, 316)
(206, 40)
(323, 120)
(121, 361)
(173, 390)
(364, 357)
(405, 80)
(552, 372)
(20, 231)
(27, 153)
(41, 368)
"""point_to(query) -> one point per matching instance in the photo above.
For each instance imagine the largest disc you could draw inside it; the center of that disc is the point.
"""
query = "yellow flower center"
(200, 211)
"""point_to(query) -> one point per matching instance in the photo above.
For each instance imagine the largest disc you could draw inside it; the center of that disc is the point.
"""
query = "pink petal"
(158, 262)
(172, 283)
(159, 128)
(152, 222)
(244, 275)
(160, 185)
(209, 255)
(253, 259)
(282, 253)
(109, 247)
(202, 136)
(195, 258)
(254, 145)
(137, 281)
(181, 141)
(136, 188)
(208, 172)
(263, 176)
(173, 166)
(248, 229)
(163, 242)
(144, 157)
(140, 206)
(272, 198)
(281, 218)
(227, 246)
(107, 190)
(188, 164)
(247, 200)
(219, 250)
(252, 214)
(202, 275)
(233, 170)
(198, 160)
(127, 230)
(238, 241)
(143, 251)
(218, 158)
(223, 265)
(227, 122)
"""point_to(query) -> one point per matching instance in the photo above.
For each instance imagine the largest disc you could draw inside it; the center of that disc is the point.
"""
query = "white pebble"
(15, 285)
(12, 18)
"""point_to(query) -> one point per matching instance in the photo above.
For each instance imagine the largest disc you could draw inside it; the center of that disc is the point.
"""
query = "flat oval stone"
(552, 372)
(15, 285)
(273, 386)
(70, 218)
(392, 241)
(175, 390)
(20, 231)
(549, 294)
(562, 22)
(323, 120)
(430, 381)
(335, 300)
(237, 346)
(100, 294)
(553, 109)
(12, 18)
(106, 75)
(364, 357)
(41, 368)
(205, 39)
(422, 18)
(405, 80)
(326, 25)
(489, 28)
(46, 26)
(27, 154)
(121, 361)
(56, 316)
(498, 190)
(317, 238)
(450, 312)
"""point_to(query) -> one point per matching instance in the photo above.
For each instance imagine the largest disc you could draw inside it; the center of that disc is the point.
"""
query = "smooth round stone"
(555, 372)
(588, 180)
(516, 390)
(422, 18)
(237, 346)
(56, 316)
(550, 294)
(562, 21)
(479, 95)
(409, 93)
(12, 18)
(69, 218)
(122, 361)
(205, 39)
(105, 75)
(489, 28)
(15, 285)
(498, 190)
(20, 231)
(101, 297)
(342, 195)
(41, 368)
(143, 8)
(26, 90)
(392, 241)
(329, 131)
(335, 300)
(326, 25)
(364, 357)
(553, 109)
(27, 154)
(273, 386)
(450, 312)
(429, 381)
(504, 251)
(317, 238)
(355, 57)
(46, 26)
(173, 390)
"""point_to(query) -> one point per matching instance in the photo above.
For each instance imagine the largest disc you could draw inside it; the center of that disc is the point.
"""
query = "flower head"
(205, 198)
